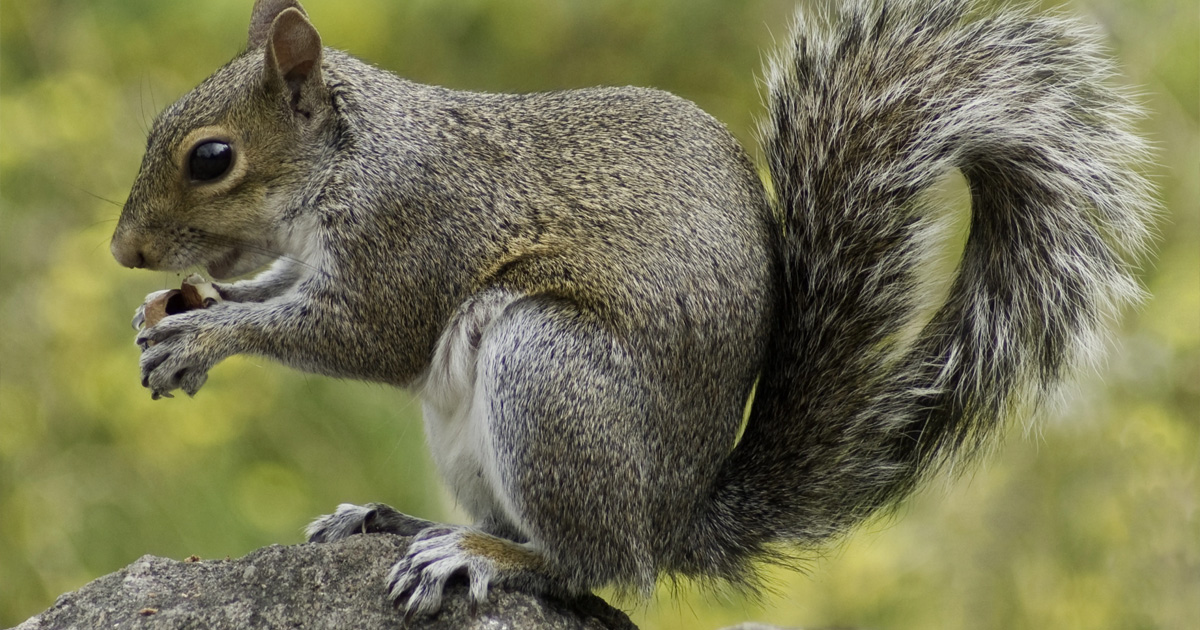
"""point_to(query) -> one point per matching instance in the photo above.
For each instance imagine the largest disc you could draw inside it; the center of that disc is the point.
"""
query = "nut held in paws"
(193, 294)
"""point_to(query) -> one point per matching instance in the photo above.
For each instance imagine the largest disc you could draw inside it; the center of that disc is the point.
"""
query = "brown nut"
(162, 306)
(193, 294)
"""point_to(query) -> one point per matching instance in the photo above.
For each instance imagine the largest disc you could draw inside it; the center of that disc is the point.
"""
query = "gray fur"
(589, 283)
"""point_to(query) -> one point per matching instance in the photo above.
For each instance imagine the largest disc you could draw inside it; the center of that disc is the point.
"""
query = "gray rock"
(334, 585)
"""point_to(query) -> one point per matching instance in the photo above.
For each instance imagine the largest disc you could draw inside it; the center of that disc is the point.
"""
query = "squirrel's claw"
(349, 520)
(174, 358)
(139, 316)
(437, 554)
(346, 521)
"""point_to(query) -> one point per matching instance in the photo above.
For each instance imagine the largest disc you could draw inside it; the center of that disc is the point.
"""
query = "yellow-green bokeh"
(1091, 520)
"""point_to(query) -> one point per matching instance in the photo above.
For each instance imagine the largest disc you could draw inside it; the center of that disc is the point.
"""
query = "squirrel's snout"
(127, 252)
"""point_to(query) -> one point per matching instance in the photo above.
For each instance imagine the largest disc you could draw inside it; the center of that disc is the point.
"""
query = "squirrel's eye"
(209, 160)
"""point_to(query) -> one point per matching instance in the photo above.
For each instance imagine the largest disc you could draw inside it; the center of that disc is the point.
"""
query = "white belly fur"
(456, 412)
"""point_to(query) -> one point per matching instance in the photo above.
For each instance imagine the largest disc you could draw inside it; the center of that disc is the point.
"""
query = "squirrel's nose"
(127, 253)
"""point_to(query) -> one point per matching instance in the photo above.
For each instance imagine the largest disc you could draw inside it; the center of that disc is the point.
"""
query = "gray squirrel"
(588, 288)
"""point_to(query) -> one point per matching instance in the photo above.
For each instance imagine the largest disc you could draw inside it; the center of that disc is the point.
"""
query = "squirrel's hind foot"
(438, 554)
(444, 551)
(372, 518)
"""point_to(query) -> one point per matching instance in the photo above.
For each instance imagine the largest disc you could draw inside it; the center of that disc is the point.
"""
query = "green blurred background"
(1089, 520)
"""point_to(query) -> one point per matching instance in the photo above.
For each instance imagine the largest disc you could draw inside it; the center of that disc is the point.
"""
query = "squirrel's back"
(636, 188)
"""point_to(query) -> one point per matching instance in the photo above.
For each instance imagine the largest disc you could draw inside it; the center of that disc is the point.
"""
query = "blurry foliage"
(1091, 521)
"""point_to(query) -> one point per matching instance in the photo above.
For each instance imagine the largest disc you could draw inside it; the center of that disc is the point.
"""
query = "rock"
(332, 585)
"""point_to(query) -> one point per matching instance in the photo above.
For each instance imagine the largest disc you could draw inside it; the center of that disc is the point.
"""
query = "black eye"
(209, 160)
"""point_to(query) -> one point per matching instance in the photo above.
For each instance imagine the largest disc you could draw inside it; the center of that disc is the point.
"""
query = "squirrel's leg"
(557, 409)
(304, 327)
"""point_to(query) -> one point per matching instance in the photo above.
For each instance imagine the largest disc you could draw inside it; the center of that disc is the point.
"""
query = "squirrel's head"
(224, 164)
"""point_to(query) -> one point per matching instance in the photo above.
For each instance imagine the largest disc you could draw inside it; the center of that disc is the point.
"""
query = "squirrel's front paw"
(175, 355)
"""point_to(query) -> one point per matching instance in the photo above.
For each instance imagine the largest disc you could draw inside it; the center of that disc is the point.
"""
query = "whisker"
(153, 98)
(142, 104)
(104, 199)
(101, 244)
(95, 223)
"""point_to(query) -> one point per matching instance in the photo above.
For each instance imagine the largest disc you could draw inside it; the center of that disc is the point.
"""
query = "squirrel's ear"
(293, 57)
(263, 16)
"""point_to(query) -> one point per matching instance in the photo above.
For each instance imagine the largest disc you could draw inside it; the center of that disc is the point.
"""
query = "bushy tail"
(867, 109)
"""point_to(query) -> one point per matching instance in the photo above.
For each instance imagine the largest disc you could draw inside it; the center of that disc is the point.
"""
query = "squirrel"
(592, 289)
